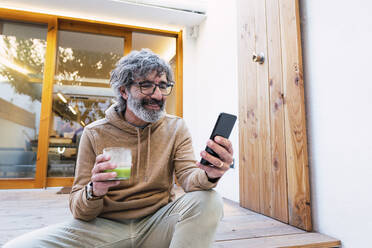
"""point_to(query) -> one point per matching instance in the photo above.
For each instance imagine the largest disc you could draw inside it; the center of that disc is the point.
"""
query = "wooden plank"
(13, 113)
(46, 105)
(263, 112)
(277, 170)
(295, 119)
(130, 28)
(252, 226)
(304, 240)
(127, 42)
(94, 28)
(248, 134)
(178, 88)
(59, 181)
(231, 208)
(17, 183)
(23, 211)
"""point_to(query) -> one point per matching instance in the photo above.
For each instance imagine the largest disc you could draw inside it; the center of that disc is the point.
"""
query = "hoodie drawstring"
(139, 153)
(148, 153)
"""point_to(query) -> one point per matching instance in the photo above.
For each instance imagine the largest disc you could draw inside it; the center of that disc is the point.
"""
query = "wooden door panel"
(263, 113)
(248, 121)
(273, 153)
(278, 176)
(295, 118)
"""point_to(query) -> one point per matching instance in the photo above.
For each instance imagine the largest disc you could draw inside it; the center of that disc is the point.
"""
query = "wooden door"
(274, 178)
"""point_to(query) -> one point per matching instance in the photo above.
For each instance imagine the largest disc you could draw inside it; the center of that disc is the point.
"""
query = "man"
(141, 211)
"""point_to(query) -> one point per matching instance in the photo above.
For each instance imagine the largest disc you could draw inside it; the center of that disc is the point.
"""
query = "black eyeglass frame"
(168, 84)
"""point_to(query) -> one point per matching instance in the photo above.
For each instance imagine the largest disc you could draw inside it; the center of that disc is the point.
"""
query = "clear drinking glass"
(122, 158)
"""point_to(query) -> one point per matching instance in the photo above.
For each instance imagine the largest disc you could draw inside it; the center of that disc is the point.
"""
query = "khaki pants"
(190, 221)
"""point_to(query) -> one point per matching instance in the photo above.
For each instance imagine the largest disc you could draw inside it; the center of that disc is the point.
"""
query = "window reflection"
(81, 93)
(22, 54)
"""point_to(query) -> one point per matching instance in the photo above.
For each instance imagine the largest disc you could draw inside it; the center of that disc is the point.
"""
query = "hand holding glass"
(122, 158)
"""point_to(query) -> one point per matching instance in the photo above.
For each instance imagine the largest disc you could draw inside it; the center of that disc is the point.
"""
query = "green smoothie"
(122, 173)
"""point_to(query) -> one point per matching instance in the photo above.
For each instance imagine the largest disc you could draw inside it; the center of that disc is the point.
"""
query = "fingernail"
(217, 138)
(210, 142)
(203, 153)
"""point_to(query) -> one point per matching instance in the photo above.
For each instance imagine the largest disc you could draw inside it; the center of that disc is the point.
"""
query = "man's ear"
(124, 92)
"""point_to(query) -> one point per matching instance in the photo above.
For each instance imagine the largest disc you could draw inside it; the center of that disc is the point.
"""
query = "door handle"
(258, 58)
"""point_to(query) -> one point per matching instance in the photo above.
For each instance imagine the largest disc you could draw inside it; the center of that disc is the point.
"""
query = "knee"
(209, 203)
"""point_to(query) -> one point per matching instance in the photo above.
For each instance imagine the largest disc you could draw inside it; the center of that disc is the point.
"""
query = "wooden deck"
(243, 228)
(22, 211)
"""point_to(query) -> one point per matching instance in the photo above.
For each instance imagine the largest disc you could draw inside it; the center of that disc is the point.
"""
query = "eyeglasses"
(148, 87)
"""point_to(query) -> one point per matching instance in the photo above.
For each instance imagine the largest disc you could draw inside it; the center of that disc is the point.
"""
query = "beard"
(137, 106)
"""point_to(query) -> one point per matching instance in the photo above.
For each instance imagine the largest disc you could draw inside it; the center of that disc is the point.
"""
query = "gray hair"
(137, 65)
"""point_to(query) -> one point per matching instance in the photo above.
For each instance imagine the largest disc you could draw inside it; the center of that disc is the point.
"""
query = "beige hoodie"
(158, 151)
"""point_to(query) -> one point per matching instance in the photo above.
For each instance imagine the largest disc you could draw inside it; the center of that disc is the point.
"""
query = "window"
(54, 80)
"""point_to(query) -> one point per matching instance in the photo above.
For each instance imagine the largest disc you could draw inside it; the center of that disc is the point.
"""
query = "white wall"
(210, 82)
(337, 38)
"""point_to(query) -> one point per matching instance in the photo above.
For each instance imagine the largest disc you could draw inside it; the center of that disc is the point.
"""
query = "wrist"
(90, 193)
(212, 180)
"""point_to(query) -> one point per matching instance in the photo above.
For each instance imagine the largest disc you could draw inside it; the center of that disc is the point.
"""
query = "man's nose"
(157, 94)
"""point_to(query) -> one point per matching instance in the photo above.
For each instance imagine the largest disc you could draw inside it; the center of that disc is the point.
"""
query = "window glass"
(81, 93)
(22, 56)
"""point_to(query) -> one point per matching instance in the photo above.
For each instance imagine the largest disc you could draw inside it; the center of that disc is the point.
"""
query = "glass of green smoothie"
(122, 158)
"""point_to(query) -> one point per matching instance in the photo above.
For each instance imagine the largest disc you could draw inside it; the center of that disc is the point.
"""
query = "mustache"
(145, 101)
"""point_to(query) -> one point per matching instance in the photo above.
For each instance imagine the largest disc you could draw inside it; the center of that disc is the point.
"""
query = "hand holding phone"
(223, 127)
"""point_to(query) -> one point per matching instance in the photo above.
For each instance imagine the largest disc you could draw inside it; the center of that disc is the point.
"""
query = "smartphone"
(223, 127)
